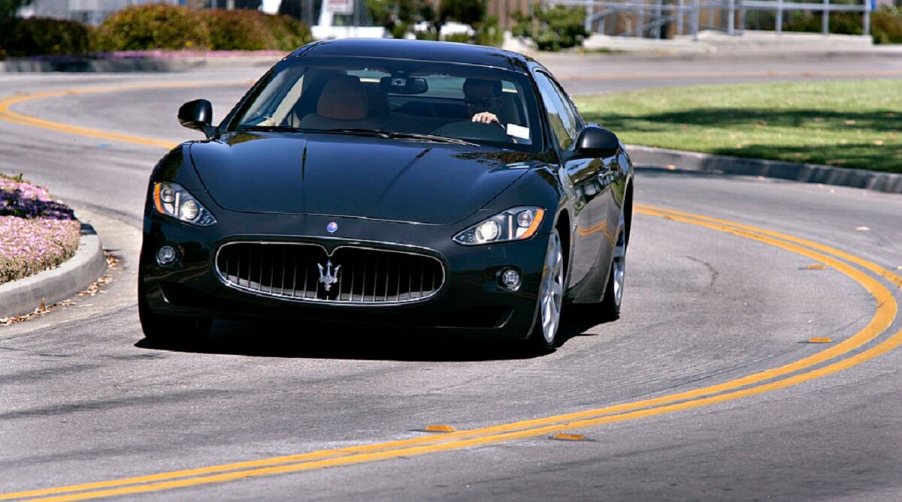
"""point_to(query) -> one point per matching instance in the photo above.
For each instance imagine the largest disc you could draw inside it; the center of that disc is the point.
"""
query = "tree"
(470, 12)
(8, 10)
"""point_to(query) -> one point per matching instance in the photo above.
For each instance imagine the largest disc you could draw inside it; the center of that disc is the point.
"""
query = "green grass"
(839, 123)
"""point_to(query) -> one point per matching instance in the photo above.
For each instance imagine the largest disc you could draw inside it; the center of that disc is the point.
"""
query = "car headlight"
(170, 199)
(515, 224)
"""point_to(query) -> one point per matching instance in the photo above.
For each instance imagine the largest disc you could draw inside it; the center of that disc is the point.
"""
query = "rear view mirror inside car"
(403, 85)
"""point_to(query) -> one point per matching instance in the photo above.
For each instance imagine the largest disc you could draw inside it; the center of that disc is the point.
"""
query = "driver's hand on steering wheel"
(486, 118)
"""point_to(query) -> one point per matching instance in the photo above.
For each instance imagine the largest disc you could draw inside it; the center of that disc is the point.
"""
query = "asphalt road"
(712, 313)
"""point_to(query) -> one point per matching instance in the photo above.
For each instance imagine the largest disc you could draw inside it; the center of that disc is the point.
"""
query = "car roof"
(419, 50)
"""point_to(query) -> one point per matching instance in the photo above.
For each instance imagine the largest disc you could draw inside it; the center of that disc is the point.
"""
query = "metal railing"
(649, 18)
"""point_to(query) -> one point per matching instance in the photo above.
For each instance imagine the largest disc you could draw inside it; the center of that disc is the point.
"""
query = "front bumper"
(470, 300)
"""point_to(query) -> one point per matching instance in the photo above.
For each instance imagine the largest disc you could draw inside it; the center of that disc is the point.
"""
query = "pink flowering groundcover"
(36, 232)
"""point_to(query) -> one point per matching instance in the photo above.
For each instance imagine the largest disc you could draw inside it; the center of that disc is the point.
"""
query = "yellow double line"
(814, 366)
(866, 344)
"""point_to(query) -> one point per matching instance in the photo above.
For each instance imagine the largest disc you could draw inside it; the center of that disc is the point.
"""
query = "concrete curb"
(648, 157)
(74, 275)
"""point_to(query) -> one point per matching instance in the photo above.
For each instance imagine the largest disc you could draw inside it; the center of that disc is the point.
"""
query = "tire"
(169, 329)
(613, 293)
(544, 333)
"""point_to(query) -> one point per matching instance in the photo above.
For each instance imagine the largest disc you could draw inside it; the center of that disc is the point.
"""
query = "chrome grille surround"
(293, 274)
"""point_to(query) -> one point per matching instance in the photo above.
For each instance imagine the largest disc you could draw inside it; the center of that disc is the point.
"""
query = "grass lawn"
(838, 123)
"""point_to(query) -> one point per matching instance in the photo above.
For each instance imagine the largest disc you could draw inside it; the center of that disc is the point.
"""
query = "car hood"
(353, 176)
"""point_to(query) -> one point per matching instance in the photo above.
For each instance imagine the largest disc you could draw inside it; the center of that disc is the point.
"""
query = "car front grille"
(350, 275)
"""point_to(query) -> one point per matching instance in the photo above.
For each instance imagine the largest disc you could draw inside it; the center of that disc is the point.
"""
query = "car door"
(585, 176)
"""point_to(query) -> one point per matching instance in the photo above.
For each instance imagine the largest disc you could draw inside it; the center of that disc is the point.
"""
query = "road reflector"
(816, 266)
(820, 339)
(439, 428)
(563, 436)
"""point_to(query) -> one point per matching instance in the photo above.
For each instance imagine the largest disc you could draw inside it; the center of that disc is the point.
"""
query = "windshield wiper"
(381, 133)
(431, 137)
(269, 128)
(355, 131)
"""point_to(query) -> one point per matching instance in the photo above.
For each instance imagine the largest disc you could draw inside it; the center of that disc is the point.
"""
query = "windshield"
(397, 99)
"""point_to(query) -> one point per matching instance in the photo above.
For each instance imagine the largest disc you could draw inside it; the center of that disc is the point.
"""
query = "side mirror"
(197, 114)
(596, 141)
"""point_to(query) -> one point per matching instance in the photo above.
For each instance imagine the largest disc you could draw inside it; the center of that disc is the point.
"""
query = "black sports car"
(391, 182)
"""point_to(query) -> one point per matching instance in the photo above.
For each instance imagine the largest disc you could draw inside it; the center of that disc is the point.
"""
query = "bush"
(238, 30)
(488, 32)
(886, 25)
(426, 35)
(559, 27)
(153, 27)
(288, 33)
(846, 23)
(458, 37)
(173, 27)
(39, 36)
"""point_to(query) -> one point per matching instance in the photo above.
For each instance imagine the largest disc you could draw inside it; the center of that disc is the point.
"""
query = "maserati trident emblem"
(327, 276)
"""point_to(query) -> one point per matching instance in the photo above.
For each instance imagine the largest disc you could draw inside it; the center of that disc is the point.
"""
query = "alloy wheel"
(552, 289)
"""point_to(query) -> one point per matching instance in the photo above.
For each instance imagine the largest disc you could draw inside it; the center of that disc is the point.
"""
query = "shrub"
(153, 27)
(458, 37)
(488, 32)
(238, 30)
(400, 30)
(426, 35)
(847, 23)
(40, 36)
(288, 33)
(173, 27)
(555, 28)
(886, 25)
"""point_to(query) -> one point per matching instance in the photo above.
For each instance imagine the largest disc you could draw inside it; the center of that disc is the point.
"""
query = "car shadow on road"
(287, 340)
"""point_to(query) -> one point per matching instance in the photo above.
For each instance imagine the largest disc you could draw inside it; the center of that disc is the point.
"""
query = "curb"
(50, 286)
(660, 158)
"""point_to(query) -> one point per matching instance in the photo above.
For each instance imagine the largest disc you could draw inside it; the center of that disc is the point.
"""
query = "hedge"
(40, 36)
(558, 27)
(175, 27)
(886, 24)
(147, 27)
(144, 27)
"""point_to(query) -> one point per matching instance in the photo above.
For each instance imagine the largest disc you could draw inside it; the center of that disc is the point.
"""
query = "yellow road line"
(17, 118)
(886, 309)
(882, 272)
(750, 385)
(882, 348)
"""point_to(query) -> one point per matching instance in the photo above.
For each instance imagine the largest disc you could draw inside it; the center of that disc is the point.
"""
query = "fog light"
(167, 255)
(510, 279)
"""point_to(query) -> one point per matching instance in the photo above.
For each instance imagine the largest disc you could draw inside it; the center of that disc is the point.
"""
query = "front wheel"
(551, 298)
